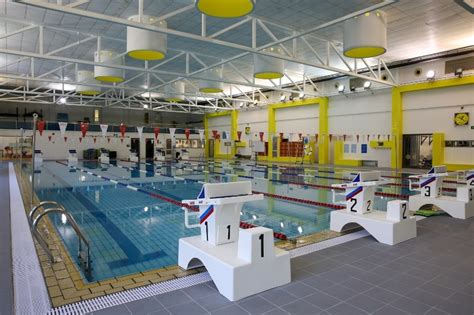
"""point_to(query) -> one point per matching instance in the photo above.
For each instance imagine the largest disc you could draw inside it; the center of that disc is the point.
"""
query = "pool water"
(133, 231)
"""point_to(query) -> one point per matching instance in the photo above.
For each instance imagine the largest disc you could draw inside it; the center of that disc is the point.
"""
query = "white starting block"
(72, 158)
(467, 177)
(185, 155)
(390, 227)
(430, 187)
(241, 262)
(104, 157)
(38, 158)
(133, 157)
(160, 155)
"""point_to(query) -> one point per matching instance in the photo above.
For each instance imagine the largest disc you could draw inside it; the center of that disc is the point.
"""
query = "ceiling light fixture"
(225, 9)
(301, 95)
(459, 72)
(365, 36)
(212, 86)
(105, 74)
(367, 85)
(430, 75)
(283, 98)
(63, 100)
(268, 68)
(86, 77)
(341, 88)
(174, 92)
(143, 44)
(352, 88)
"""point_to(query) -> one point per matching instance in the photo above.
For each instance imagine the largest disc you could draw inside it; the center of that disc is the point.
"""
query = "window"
(96, 115)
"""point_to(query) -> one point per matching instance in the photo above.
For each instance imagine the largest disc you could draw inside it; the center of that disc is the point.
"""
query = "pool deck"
(6, 273)
(431, 274)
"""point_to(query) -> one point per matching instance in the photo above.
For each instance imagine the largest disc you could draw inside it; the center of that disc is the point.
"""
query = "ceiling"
(415, 28)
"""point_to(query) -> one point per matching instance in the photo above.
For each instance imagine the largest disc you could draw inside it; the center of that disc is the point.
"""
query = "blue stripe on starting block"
(203, 217)
(470, 176)
(354, 193)
(428, 181)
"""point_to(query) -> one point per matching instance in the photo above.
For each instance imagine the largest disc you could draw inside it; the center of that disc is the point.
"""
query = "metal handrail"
(86, 261)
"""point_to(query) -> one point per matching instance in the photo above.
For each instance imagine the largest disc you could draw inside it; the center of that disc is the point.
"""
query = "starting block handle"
(187, 214)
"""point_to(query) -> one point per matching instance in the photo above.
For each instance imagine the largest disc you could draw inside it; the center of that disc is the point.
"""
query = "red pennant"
(84, 128)
(95, 139)
(261, 133)
(239, 134)
(121, 140)
(40, 125)
(330, 137)
(378, 137)
(65, 139)
(316, 138)
(368, 137)
(215, 133)
(187, 132)
(49, 138)
(108, 139)
(357, 136)
(300, 135)
(344, 137)
(80, 139)
(157, 132)
(281, 135)
(122, 128)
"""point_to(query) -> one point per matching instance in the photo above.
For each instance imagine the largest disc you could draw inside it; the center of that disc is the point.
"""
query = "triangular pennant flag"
(239, 135)
(84, 128)
(156, 131)
(62, 128)
(65, 139)
(261, 133)
(201, 134)
(123, 129)
(140, 132)
(104, 128)
(40, 125)
(187, 132)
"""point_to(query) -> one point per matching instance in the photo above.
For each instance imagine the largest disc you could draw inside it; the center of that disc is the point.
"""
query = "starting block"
(104, 157)
(38, 158)
(430, 187)
(185, 155)
(160, 155)
(390, 227)
(241, 262)
(133, 157)
(72, 158)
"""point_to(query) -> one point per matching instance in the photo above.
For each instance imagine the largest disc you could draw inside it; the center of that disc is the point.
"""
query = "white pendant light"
(212, 86)
(105, 74)
(365, 36)
(143, 44)
(86, 77)
(225, 8)
(174, 92)
(268, 67)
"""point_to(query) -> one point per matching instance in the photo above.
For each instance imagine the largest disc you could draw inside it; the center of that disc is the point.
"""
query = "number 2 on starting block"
(360, 199)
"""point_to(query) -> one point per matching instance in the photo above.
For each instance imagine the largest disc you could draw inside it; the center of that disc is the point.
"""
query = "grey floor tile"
(256, 305)
(187, 309)
(345, 309)
(277, 311)
(458, 304)
(437, 290)
(317, 282)
(423, 296)
(389, 310)
(173, 298)
(278, 296)
(214, 302)
(410, 306)
(366, 303)
(301, 307)
(383, 295)
(435, 311)
(356, 285)
(144, 306)
(160, 312)
(299, 274)
(322, 300)
(230, 310)
(114, 310)
(299, 289)
(199, 291)
(340, 292)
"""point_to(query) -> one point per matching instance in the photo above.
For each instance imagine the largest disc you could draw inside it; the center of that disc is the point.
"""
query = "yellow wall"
(234, 116)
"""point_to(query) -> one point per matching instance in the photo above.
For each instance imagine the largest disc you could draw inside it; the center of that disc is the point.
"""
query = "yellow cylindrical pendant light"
(268, 67)
(86, 77)
(212, 86)
(105, 74)
(365, 36)
(174, 92)
(143, 44)
(225, 8)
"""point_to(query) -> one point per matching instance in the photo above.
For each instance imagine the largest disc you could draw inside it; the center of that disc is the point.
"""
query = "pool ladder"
(83, 254)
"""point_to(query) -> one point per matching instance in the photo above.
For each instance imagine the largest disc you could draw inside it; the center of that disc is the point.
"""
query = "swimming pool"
(132, 217)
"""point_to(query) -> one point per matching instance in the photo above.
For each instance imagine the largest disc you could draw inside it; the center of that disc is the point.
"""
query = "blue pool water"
(132, 231)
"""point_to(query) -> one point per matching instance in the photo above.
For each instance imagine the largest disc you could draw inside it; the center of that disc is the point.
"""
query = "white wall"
(220, 123)
(433, 111)
(368, 113)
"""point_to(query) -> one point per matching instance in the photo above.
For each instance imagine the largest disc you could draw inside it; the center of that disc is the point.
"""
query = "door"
(149, 149)
(211, 148)
(418, 151)
(135, 146)
(169, 147)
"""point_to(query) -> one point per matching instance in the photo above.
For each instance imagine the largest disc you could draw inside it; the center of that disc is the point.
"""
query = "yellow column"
(206, 137)
(271, 131)
(234, 116)
(438, 149)
(323, 131)
(397, 128)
